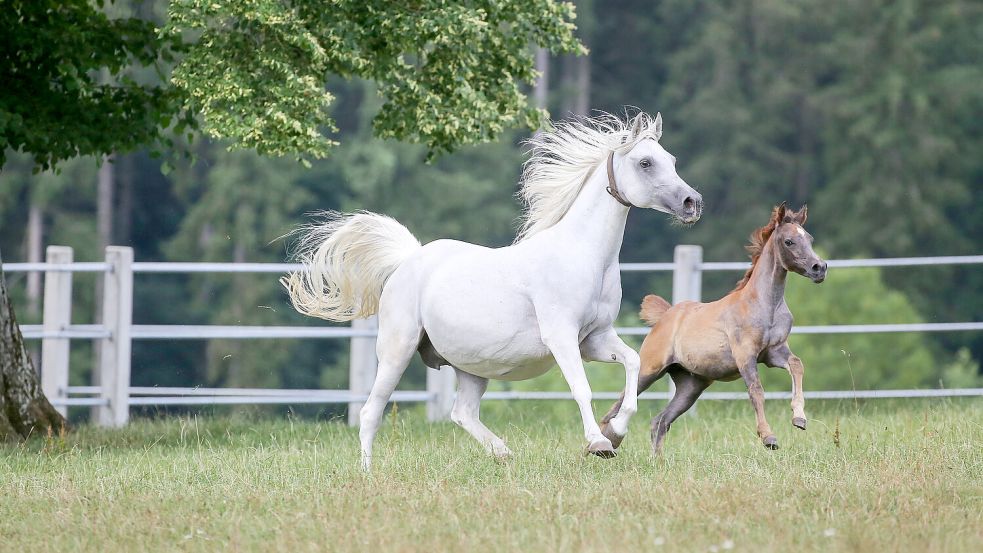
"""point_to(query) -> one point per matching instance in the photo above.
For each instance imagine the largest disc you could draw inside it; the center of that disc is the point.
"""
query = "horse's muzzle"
(691, 209)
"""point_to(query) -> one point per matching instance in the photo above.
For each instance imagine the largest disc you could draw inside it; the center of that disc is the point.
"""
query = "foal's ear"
(780, 215)
(657, 126)
(801, 215)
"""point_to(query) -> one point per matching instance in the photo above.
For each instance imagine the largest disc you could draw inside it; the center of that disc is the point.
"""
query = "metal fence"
(113, 396)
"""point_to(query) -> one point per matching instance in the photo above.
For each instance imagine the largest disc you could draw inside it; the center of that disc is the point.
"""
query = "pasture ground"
(868, 476)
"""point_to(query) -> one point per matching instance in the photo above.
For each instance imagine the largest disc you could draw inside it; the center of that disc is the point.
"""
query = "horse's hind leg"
(396, 344)
(688, 389)
(470, 388)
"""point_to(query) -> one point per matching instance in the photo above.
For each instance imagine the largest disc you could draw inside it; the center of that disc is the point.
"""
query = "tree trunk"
(35, 254)
(23, 408)
(581, 104)
(105, 184)
(542, 87)
(124, 207)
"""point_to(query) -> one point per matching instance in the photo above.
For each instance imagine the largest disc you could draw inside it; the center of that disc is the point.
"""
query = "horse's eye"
(788, 242)
(645, 163)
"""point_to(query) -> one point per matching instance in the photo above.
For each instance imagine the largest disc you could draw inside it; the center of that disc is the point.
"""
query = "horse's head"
(794, 244)
(645, 173)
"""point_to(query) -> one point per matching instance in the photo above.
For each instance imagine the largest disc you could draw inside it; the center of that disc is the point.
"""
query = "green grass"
(874, 476)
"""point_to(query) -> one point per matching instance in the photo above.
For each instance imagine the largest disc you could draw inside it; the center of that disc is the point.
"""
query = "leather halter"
(613, 186)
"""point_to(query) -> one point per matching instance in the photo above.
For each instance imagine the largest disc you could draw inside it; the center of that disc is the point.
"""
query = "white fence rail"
(114, 396)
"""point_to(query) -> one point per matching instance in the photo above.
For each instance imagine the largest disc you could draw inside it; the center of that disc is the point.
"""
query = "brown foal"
(698, 343)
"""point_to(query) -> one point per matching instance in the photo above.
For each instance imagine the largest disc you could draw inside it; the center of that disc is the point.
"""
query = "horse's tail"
(347, 258)
(653, 308)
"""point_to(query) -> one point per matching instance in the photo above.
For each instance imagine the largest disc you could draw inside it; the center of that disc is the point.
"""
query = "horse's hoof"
(602, 450)
(799, 422)
(501, 455)
(771, 442)
(610, 434)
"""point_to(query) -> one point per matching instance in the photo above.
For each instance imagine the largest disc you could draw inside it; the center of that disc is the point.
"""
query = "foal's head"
(794, 244)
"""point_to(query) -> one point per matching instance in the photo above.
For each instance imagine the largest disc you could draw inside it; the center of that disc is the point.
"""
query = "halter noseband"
(613, 185)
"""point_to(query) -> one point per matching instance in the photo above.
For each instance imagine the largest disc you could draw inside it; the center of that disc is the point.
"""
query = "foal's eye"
(788, 242)
(645, 163)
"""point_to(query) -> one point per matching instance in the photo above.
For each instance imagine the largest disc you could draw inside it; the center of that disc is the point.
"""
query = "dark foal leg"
(688, 389)
(644, 382)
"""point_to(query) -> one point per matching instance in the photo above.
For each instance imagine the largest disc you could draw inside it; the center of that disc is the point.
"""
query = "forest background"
(870, 112)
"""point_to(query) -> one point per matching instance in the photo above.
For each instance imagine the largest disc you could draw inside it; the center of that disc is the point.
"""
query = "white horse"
(506, 313)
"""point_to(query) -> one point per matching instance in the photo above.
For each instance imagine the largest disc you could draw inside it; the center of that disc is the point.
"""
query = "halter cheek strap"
(613, 185)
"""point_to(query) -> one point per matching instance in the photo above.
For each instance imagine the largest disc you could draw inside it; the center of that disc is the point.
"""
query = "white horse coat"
(507, 313)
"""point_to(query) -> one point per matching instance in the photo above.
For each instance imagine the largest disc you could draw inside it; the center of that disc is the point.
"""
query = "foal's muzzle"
(818, 272)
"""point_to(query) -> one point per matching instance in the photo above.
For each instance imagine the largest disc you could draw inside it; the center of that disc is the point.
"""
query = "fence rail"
(114, 396)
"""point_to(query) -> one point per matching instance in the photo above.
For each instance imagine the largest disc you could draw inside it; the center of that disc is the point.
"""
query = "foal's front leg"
(749, 372)
(782, 357)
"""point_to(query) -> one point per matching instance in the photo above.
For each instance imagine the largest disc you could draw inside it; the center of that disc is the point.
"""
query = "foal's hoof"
(602, 449)
(770, 442)
(799, 423)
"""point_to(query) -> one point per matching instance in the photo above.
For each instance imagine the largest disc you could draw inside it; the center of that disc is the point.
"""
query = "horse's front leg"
(566, 351)
(782, 357)
(608, 347)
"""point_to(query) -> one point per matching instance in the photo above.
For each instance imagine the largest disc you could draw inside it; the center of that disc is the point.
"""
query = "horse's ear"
(801, 215)
(657, 126)
(638, 124)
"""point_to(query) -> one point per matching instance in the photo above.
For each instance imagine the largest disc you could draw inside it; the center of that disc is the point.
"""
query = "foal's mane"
(563, 157)
(758, 240)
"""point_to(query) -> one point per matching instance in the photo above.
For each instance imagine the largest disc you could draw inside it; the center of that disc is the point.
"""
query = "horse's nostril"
(817, 267)
(689, 203)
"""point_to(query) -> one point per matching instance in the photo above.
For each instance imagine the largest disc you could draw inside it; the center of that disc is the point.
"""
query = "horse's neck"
(766, 288)
(595, 221)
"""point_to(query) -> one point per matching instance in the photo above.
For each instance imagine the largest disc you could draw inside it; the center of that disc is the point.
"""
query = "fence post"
(114, 351)
(687, 282)
(57, 316)
(362, 365)
(440, 385)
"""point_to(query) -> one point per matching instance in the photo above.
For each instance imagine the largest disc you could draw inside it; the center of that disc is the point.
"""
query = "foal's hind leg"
(470, 388)
(688, 389)
(396, 344)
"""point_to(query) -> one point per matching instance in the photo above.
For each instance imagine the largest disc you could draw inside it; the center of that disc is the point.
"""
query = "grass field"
(877, 476)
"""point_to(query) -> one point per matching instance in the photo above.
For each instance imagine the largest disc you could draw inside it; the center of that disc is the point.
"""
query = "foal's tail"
(347, 258)
(653, 308)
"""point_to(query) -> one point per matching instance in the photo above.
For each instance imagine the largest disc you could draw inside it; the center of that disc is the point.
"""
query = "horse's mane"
(758, 240)
(563, 157)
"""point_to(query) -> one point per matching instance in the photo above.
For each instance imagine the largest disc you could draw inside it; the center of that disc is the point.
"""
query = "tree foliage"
(449, 72)
(65, 89)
